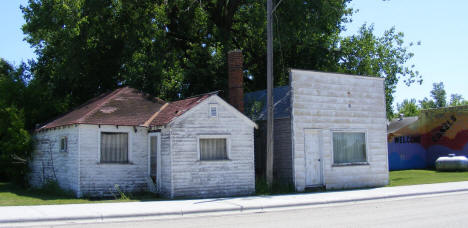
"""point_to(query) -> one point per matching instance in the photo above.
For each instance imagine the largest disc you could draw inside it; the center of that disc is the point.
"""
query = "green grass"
(261, 187)
(12, 195)
(412, 177)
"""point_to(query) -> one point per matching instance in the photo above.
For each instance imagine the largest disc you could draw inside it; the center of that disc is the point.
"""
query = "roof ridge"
(89, 101)
(203, 94)
(105, 101)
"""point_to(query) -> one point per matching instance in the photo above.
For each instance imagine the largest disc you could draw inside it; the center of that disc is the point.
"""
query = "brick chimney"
(236, 79)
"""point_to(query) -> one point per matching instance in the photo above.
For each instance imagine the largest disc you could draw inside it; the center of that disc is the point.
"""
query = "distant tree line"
(176, 49)
(410, 107)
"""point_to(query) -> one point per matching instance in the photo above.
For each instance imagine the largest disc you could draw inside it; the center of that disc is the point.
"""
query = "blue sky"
(12, 46)
(442, 29)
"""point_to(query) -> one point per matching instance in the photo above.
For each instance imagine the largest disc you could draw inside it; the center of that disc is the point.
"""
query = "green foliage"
(386, 56)
(439, 95)
(439, 98)
(457, 100)
(89, 47)
(408, 108)
(427, 103)
(253, 109)
(15, 145)
(262, 188)
(175, 49)
(121, 194)
(15, 141)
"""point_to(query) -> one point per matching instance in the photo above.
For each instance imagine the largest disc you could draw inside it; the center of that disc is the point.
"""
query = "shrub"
(15, 145)
(278, 187)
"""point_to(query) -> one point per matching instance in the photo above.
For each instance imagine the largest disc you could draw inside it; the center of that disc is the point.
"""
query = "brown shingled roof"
(127, 107)
(177, 108)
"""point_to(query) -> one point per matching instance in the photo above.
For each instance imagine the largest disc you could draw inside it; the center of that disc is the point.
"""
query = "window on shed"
(213, 111)
(349, 147)
(63, 144)
(213, 149)
(114, 147)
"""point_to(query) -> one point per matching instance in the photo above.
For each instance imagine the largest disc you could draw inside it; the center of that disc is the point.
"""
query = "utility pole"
(269, 155)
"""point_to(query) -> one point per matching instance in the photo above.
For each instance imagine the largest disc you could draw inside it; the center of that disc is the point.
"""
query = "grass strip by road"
(413, 177)
(12, 195)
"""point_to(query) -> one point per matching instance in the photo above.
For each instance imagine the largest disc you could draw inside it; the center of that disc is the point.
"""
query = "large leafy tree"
(175, 49)
(15, 141)
(439, 95)
(386, 57)
(85, 48)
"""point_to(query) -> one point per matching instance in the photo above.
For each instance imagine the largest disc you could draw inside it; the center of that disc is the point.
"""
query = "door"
(313, 157)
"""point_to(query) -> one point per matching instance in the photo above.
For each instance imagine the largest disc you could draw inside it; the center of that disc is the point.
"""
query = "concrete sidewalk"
(17, 215)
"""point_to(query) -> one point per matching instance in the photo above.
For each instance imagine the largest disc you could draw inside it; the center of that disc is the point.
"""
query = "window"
(114, 147)
(63, 144)
(349, 147)
(213, 149)
(213, 110)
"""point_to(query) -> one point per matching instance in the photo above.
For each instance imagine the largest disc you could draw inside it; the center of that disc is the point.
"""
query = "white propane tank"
(452, 163)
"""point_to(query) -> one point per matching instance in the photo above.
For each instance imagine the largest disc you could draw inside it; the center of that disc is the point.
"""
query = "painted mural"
(438, 132)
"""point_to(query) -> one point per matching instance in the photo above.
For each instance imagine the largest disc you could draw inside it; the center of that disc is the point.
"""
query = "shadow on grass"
(11, 194)
(47, 193)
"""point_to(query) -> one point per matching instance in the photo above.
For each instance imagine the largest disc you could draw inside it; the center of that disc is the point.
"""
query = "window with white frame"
(213, 149)
(114, 147)
(213, 110)
(63, 144)
(349, 147)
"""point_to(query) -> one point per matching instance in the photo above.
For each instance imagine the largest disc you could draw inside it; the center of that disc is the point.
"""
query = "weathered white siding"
(182, 173)
(340, 102)
(194, 178)
(98, 179)
(50, 164)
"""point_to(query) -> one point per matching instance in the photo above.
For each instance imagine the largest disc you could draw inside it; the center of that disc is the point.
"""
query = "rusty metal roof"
(126, 107)
(177, 108)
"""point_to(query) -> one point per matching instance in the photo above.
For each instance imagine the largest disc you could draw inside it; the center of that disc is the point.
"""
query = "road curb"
(232, 208)
(360, 199)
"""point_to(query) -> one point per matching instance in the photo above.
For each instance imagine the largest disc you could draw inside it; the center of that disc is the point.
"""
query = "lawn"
(12, 195)
(412, 177)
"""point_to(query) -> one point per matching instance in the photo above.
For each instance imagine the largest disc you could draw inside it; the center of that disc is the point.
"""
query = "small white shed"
(330, 130)
(197, 147)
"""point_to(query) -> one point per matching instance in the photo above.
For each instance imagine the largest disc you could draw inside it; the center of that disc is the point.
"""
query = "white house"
(330, 130)
(127, 140)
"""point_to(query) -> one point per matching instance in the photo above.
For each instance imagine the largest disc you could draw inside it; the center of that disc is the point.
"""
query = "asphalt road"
(445, 210)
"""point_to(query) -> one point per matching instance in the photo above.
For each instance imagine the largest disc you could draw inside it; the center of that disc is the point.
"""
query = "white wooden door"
(313, 160)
